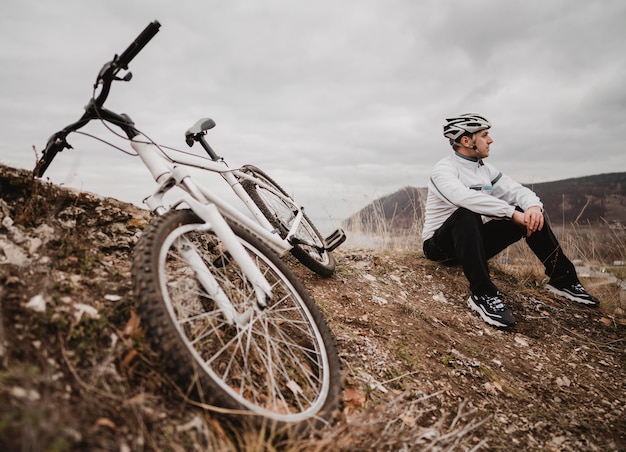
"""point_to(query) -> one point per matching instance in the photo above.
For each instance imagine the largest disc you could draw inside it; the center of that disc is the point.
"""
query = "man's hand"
(531, 219)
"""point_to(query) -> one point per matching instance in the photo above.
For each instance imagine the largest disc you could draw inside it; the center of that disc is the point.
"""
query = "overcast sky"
(341, 101)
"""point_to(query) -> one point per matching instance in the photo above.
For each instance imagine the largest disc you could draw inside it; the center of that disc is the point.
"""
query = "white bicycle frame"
(170, 173)
(234, 177)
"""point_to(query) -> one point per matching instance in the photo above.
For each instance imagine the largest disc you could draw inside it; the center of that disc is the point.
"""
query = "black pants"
(464, 239)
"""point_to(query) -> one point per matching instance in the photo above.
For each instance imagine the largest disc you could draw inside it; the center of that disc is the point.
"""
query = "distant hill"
(599, 199)
(585, 200)
(400, 210)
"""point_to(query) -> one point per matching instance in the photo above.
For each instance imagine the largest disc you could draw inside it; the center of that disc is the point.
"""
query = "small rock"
(490, 389)
(563, 381)
(85, 309)
(519, 340)
(34, 244)
(12, 254)
(379, 300)
(24, 394)
(37, 303)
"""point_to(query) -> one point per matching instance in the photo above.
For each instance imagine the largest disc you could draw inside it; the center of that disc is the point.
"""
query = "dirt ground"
(555, 382)
(421, 370)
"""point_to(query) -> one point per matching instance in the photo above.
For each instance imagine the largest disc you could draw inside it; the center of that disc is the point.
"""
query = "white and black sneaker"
(575, 292)
(491, 308)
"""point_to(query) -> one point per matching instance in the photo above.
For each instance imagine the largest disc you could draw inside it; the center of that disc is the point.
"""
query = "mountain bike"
(231, 320)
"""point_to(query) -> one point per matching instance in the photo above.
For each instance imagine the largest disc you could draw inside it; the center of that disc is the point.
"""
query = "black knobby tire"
(281, 216)
(279, 364)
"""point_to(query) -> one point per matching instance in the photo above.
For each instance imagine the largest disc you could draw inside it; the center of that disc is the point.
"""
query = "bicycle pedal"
(335, 239)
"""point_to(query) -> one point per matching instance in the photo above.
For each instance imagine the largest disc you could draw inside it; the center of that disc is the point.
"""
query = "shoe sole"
(485, 317)
(571, 297)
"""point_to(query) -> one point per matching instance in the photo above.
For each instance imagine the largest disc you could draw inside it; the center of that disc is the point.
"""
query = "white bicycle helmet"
(465, 124)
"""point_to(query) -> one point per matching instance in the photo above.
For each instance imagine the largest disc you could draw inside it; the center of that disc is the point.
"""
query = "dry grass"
(374, 231)
(598, 251)
(70, 383)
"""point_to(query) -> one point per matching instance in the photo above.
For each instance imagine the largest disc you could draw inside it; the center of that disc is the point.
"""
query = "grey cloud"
(340, 101)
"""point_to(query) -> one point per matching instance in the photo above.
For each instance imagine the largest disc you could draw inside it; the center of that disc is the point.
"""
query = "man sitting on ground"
(473, 212)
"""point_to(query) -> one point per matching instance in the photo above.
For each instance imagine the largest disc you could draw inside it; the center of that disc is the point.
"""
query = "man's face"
(483, 140)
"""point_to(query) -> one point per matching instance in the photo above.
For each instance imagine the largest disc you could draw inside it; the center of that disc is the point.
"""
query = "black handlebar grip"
(135, 47)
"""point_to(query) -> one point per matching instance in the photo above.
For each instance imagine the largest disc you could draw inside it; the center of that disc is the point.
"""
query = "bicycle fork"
(212, 216)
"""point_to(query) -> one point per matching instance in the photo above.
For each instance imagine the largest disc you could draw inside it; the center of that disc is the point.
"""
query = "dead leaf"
(128, 359)
(279, 406)
(354, 398)
(105, 422)
(132, 325)
(139, 399)
(137, 223)
(408, 420)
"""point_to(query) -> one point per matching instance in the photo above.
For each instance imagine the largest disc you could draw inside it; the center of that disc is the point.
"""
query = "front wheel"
(312, 253)
(278, 362)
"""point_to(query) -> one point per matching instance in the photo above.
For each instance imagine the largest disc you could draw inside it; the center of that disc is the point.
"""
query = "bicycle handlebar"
(106, 76)
(135, 47)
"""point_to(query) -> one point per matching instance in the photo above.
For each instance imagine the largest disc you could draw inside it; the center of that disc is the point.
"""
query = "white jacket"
(460, 181)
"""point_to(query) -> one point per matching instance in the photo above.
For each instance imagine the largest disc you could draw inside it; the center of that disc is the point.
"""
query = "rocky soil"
(421, 370)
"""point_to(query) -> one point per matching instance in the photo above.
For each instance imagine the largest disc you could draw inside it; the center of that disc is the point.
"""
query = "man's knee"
(466, 219)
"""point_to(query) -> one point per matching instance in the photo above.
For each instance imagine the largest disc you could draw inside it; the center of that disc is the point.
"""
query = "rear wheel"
(277, 362)
(312, 254)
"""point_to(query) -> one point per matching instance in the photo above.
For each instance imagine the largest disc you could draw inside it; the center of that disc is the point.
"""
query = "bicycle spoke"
(271, 360)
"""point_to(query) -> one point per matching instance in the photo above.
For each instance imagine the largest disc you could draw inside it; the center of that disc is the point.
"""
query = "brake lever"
(59, 143)
(127, 77)
(109, 72)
